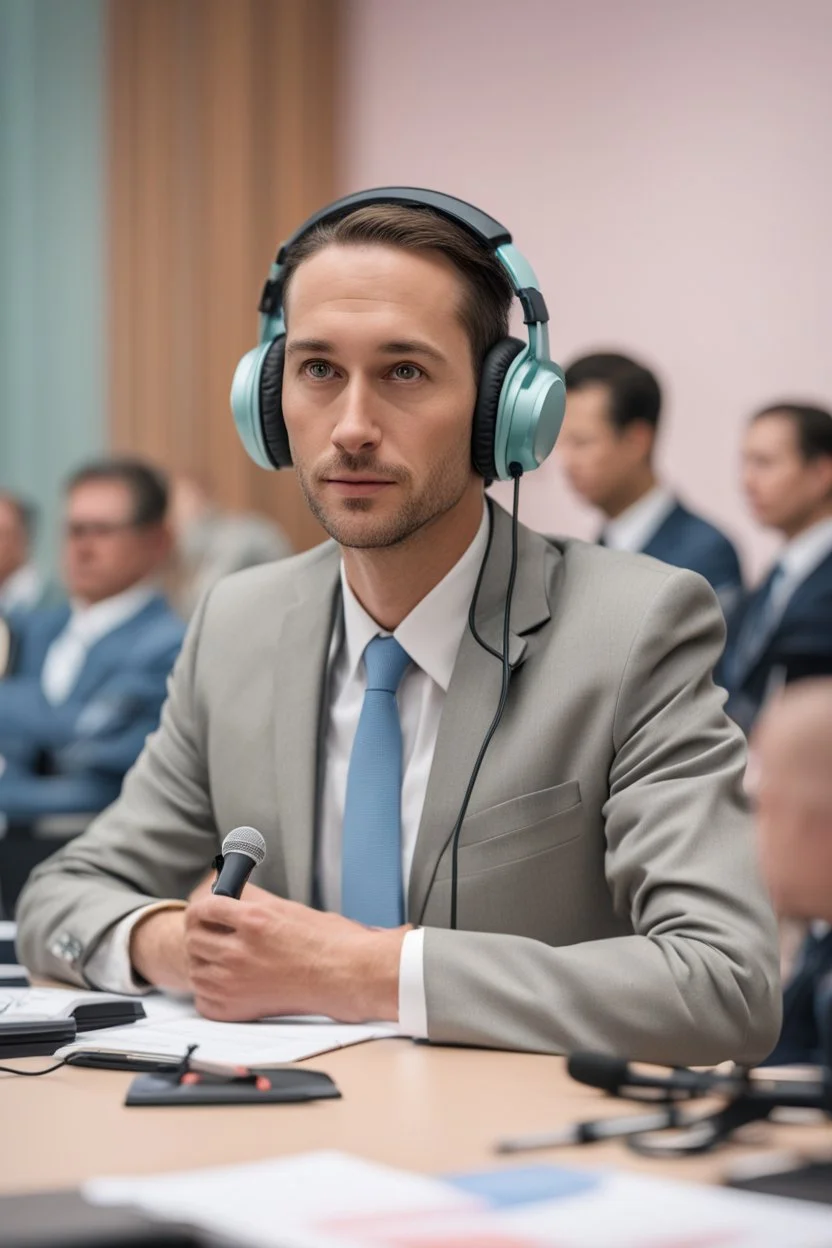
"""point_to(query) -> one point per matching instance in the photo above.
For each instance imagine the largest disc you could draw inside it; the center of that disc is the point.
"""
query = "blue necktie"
(371, 869)
(755, 628)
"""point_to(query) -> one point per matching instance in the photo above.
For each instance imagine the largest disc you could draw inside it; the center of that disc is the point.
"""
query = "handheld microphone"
(242, 851)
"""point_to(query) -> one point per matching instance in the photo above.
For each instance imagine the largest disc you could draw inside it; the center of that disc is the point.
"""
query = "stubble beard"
(441, 492)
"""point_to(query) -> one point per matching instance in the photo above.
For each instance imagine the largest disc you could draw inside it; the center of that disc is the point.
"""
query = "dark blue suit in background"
(807, 1006)
(685, 540)
(797, 644)
(72, 757)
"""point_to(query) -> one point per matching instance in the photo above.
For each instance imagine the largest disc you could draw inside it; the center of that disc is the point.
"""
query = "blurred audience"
(783, 631)
(793, 761)
(89, 677)
(212, 543)
(21, 585)
(607, 448)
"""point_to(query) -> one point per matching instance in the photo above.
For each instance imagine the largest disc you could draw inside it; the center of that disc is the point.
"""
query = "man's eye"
(407, 372)
(318, 370)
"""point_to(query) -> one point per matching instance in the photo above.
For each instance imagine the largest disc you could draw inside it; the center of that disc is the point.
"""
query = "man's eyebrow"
(409, 346)
(310, 344)
(412, 346)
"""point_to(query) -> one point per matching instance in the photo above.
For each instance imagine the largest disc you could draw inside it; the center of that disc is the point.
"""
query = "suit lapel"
(300, 672)
(749, 656)
(666, 535)
(474, 690)
(107, 654)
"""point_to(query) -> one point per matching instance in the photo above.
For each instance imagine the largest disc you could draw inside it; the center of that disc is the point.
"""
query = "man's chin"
(359, 523)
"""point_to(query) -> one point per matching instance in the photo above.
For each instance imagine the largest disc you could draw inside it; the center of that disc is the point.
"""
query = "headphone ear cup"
(493, 374)
(271, 405)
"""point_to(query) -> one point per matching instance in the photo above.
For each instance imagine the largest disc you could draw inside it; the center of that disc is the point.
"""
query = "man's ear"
(640, 438)
(823, 469)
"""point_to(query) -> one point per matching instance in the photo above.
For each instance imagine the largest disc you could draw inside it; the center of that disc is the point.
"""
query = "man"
(607, 447)
(89, 678)
(607, 896)
(783, 631)
(793, 748)
(212, 543)
(21, 585)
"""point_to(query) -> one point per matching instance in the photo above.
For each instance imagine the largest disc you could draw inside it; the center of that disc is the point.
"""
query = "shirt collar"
(95, 621)
(431, 633)
(22, 588)
(804, 552)
(638, 523)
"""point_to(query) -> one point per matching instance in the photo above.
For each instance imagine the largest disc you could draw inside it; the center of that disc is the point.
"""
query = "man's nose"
(357, 427)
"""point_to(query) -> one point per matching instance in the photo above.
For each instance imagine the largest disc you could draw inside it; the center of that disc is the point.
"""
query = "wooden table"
(415, 1106)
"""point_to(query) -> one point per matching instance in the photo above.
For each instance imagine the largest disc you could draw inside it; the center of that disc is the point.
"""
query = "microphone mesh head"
(245, 841)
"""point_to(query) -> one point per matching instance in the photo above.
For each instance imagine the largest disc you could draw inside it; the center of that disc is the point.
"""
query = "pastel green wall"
(52, 248)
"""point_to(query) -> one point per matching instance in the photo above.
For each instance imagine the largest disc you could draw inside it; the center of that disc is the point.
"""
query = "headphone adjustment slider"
(534, 307)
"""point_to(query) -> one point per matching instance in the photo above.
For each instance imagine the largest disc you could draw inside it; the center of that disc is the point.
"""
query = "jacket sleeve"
(25, 797)
(154, 842)
(697, 981)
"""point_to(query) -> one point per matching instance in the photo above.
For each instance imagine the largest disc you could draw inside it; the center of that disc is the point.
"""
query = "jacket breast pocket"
(518, 829)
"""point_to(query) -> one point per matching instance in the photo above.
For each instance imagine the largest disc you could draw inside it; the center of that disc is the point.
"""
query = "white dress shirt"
(639, 523)
(21, 590)
(431, 635)
(87, 625)
(798, 559)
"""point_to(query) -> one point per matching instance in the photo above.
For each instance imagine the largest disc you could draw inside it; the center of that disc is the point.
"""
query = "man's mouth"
(358, 487)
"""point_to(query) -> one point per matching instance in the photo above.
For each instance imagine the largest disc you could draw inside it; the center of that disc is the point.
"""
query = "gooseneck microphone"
(616, 1076)
(242, 851)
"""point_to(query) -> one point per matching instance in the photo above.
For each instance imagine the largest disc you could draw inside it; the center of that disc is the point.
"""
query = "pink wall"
(667, 168)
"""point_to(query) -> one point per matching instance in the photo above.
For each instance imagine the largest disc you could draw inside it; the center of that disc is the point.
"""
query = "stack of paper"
(172, 1026)
(330, 1200)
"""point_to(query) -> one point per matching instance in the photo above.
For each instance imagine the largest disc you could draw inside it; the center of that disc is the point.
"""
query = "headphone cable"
(516, 473)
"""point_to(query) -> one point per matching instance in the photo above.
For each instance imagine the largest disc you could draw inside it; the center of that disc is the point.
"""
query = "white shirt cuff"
(413, 1006)
(109, 968)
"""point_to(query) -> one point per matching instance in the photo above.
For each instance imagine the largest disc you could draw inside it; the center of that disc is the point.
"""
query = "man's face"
(783, 489)
(378, 391)
(600, 460)
(104, 551)
(13, 552)
(794, 800)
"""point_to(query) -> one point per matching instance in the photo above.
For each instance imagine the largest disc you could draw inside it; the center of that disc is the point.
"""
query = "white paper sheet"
(275, 1202)
(8, 931)
(331, 1200)
(265, 1043)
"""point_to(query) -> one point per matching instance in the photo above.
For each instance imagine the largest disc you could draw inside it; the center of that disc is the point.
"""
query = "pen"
(589, 1132)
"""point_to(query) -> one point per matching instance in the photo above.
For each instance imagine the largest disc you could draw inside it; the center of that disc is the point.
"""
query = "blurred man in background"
(90, 677)
(21, 585)
(793, 756)
(607, 449)
(212, 543)
(783, 630)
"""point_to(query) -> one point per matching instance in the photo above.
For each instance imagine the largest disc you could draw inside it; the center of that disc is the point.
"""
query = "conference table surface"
(420, 1107)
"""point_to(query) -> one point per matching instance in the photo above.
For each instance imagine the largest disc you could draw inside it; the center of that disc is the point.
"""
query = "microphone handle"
(235, 870)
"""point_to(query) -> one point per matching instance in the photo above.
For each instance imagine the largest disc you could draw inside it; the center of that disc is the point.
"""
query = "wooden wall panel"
(221, 141)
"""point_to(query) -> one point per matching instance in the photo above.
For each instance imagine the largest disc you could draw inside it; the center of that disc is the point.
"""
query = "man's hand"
(157, 950)
(263, 955)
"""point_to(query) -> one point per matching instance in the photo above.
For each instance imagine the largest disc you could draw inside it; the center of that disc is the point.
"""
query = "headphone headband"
(486, 229)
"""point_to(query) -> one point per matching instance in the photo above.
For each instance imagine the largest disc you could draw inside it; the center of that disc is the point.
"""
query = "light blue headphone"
(521, 393)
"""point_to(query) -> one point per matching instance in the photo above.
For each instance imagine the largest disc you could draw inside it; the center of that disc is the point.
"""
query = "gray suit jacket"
(608, 890)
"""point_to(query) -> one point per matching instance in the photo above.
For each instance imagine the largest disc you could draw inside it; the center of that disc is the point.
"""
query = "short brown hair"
(488, 291)
(147, 485)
